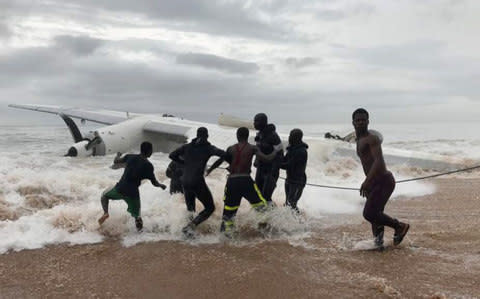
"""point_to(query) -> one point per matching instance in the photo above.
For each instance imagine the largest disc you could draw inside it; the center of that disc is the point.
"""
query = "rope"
(398, 182)
(323, 186)
(440, 174)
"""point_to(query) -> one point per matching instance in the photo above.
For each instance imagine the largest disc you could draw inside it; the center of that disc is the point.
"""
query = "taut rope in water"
(401, 181)
(398, 182)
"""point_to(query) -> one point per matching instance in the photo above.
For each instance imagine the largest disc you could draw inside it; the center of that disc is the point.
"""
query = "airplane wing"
(106, 117)
(186, 130)
(125, 131)
(167, 128)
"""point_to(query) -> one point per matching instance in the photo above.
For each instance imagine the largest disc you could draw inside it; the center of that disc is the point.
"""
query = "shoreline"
(439, 258)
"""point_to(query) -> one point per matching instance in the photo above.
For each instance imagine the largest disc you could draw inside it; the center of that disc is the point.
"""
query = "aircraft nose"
(72, 152)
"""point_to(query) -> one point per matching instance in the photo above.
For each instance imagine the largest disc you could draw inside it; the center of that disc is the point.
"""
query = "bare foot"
(103, 218)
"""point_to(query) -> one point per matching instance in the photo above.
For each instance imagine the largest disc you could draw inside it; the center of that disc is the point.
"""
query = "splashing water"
(46, 198)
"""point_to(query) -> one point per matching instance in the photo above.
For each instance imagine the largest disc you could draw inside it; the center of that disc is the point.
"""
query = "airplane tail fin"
(234, 122)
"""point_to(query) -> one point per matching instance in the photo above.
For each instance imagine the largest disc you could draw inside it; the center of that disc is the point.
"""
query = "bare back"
(242, 155)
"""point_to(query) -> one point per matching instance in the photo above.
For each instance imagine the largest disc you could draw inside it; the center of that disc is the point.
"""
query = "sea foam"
(46, 198)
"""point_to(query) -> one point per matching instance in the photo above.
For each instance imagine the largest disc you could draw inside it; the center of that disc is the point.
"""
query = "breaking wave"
(46, 198)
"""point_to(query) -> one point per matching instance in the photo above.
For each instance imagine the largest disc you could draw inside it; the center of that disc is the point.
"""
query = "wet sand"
(440, 258)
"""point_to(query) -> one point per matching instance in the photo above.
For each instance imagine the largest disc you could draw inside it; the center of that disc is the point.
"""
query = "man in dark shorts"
(137, 168)
(295, 163)
(379, 182)
(195, 157)
(267, 140)
(240, 183)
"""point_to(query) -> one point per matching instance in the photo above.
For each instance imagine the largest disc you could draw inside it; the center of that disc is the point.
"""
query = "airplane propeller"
(77, 137)
(76, 134)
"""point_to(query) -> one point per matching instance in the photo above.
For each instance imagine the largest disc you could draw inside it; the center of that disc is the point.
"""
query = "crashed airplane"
(123, 132)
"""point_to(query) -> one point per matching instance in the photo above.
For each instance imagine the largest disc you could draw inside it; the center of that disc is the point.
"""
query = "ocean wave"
(49, 199)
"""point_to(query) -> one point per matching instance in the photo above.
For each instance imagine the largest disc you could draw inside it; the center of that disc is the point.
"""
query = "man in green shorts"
(137, 168)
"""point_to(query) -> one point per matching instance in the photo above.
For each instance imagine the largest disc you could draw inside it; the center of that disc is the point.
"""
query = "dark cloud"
(301, 62)
(81, 70)
(37, 64)
(212, 16)
(229, 18)
(31, 64)
(58, 75)
(117, 81)
(219, 63)
(79, 45)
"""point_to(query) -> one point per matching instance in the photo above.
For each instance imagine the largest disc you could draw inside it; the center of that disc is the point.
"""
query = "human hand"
(364, 189)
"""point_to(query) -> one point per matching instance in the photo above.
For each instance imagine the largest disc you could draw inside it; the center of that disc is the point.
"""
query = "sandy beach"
(440, 258)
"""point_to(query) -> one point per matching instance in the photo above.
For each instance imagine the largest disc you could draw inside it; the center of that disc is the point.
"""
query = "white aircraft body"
(124, 132)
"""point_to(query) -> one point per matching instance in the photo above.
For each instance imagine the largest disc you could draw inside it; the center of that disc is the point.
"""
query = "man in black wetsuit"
(379, 182)
(240, 183)
(175, 172)
(295, 163)
(267, 140)
(195, 157)
(137, 168)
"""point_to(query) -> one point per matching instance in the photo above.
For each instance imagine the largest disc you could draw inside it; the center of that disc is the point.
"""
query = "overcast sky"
(299, 61)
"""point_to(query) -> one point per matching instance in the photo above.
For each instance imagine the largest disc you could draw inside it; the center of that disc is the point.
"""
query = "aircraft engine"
(80, 149)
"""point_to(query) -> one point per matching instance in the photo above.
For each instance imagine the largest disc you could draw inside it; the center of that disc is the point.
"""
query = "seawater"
(46, 198)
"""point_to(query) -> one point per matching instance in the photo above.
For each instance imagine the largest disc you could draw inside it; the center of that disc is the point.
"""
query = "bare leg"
(105, 215)
(102, 219)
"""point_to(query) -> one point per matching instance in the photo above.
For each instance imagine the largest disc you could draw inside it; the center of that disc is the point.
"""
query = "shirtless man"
(240, 183)
(379, 182)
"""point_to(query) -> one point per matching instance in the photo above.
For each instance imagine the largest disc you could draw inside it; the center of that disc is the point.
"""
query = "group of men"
(190, 160)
